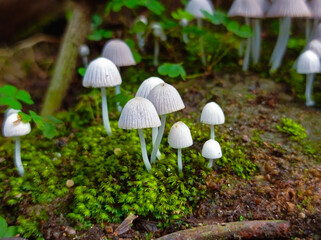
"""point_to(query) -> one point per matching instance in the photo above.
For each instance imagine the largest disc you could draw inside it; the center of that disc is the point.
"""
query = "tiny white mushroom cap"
(119, 53)
(289, 8)
(14, 127)
(212, 114)
(100, 73)
(183, 22)
(166, 99)
(9, 111)
(246, 8)
(83, 50)
(180, 136)
(211, 149)
(308, 62)
(158, 31)
(315, 46)
(147, 85)
(195, 7)
(138, 113)
(143, 19)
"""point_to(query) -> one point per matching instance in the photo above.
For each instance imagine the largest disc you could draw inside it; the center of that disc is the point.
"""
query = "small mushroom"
(184, 23)
(84, 52)
(139, 113)
(180, 137)
(212, 114)
(211, 150)
(14, 127)
(159, 34)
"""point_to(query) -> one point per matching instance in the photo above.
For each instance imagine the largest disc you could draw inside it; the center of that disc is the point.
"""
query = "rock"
(302, 215)
(246, 138)
(109, 229)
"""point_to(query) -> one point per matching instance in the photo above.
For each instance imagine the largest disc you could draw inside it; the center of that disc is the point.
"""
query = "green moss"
(290, 127)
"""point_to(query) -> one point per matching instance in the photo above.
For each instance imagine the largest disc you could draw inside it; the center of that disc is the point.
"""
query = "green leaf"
(49, 130)
(233, 26)
(172, 70)
(10, 102)
(24, 97)
(54, 120)
(139, 27)
(37, 119)
(155, 6)
(25, 117)
(3, 227)
(8, 90)
(81, 71)
(182, 14)
(245, 31)
(95, 36)
(11, 232)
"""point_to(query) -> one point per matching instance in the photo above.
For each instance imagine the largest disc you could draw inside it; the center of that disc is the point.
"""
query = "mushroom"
(84, 52)
(212, 114)
(247, 9)
(14, 127)
(195, 7)
(315, 46)
(139, 113)
(315, 7)
(159, 34)
(211, 150)
(166, 99)
(285, 10)
(309, 63)
(119, 53)
(140, 35)
(180, 137)
(102, 73)
(184, 23)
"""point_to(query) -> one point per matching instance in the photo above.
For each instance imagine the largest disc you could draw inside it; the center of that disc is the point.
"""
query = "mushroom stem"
(104, 108)
(159, 138)
(248, 49)
(144, 151)
(117, 91)
(85, 61)
(154, 136)
(141, 41)
(280, 47)
(212, 132)
(185, 38)
(210, 163)
(307, 30)
(156, 51)
(256, 45)
(17, 158)
(308, 90)
(179, 160)
(199, 25)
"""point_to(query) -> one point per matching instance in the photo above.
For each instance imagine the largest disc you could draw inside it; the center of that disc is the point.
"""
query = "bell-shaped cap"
(158, 31)
(138, 113)
(289, 8)
(246, 8)
(9, 111)
(264, 5)
(100, 73)
(83, 50)
(315, 46)
(308, 62)
(211, 150)
(195, 7)
(119, 53)
(180, 136)
(166, 99)
(145, 88)
(212, 114)
(14, 127)
(315, 7)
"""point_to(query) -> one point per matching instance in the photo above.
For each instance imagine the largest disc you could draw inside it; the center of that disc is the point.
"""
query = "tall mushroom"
(212, 114)
(139, 113)
(195, 7)
(166, 99)
(119, 53)
(180, 137)
(309, 63)
(84, 52)
(15, 128)
(102, 73)
(211, 150)
(285, 10)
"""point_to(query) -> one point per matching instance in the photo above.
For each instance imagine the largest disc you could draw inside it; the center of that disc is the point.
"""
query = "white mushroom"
(212, 114)
(84, 52)
(211, 150)
(159, 34)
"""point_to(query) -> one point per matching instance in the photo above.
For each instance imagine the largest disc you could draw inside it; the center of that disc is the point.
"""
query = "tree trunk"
(74, 36)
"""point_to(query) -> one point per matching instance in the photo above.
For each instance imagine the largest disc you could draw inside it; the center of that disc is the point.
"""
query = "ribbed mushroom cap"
(84, 50)
(14, 127)
(212, 114)
(119, 53)
(315, 46)
(317, 34)
(195, 7)
(138, 113)
(180, 136)
(211, 149)
(246, 8)
(166, 99)
(315, 8)
(289, 8)
(264, 4)
(308, 62)
(101, 72)
(147, 85)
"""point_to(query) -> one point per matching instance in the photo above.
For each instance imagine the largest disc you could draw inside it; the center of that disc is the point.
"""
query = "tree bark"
(64, 70)
(234, 230)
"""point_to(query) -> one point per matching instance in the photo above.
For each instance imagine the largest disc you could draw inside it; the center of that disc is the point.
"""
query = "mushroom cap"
(14, 127)
(264, 4)
(308, 62)
(166, 99)
(246, 8)
(315, 46)
(158, 31)
(180, 136)
(289, 8)
(83, 50)
(119, 53)
(9, 111)
(195, 7)
(183, 22)
(315, 8)
(317, 33)
(101, 72)
(143, 19)
(147, 85)
(212, 114)
(211, 149)
(138, 113)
